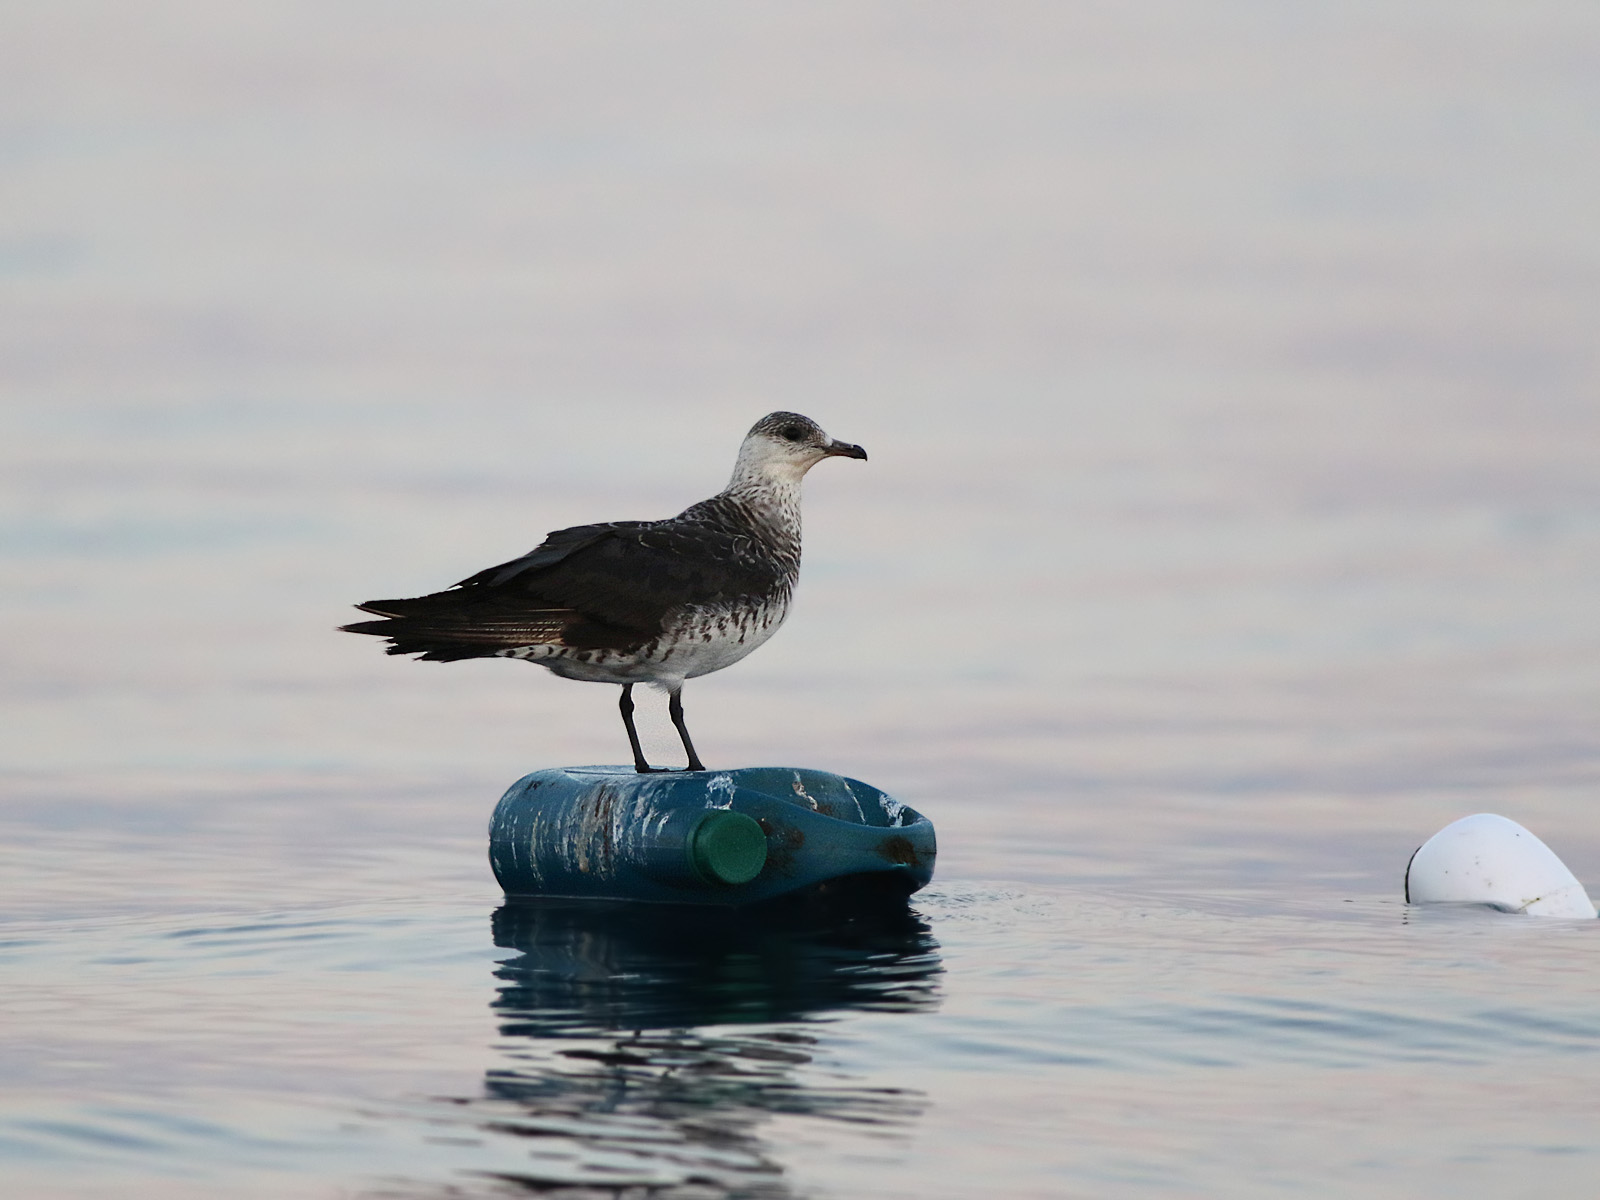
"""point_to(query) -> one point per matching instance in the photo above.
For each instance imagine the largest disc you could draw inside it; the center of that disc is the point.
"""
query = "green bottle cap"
(727, 847)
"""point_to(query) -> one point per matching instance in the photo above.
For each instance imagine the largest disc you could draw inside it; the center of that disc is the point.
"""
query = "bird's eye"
(793, 433)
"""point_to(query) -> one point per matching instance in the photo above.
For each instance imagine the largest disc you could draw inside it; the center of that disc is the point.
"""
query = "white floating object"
(1487, 859)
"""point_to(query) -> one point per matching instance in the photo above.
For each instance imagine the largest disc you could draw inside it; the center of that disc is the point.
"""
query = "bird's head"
(783, 446)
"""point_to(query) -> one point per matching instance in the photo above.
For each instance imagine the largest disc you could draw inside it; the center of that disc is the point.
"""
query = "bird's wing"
(555, 547)
(592, 586)
(627, 574)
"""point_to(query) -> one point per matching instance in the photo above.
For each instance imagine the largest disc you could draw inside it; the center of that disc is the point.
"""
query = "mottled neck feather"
(772, 505)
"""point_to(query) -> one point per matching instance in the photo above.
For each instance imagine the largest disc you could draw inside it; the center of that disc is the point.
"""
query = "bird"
(630, 602)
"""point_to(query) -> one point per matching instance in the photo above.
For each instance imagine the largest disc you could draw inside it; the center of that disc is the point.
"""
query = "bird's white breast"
(706, 639)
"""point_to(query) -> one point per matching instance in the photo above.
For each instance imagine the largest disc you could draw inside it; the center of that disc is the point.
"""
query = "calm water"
(1232, 523)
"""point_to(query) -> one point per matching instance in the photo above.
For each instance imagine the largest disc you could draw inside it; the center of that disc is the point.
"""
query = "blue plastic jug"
(702, 837)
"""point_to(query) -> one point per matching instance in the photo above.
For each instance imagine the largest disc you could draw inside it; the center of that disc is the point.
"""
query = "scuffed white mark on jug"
(799, 786)
(593, 835)
(531, 841)
(719, 790)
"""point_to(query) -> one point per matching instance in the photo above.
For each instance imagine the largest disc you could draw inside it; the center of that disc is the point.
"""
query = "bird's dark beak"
(845, 450)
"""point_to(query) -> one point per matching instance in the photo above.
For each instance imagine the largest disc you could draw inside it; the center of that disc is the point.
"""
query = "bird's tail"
(442, 636)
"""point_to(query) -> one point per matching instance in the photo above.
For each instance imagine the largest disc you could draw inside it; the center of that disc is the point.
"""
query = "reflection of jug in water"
(648, 1048)
(587, 967)
(703, 837)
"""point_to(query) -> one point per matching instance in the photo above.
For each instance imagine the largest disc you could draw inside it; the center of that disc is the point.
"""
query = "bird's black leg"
(675, 709)
(626, 706)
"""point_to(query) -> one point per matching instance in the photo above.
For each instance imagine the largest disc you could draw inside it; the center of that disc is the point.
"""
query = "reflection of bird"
(638, 601)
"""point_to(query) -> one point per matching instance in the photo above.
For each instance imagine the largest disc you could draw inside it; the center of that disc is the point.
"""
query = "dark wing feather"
(555, 547)
(607, 586)
(633, 577)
